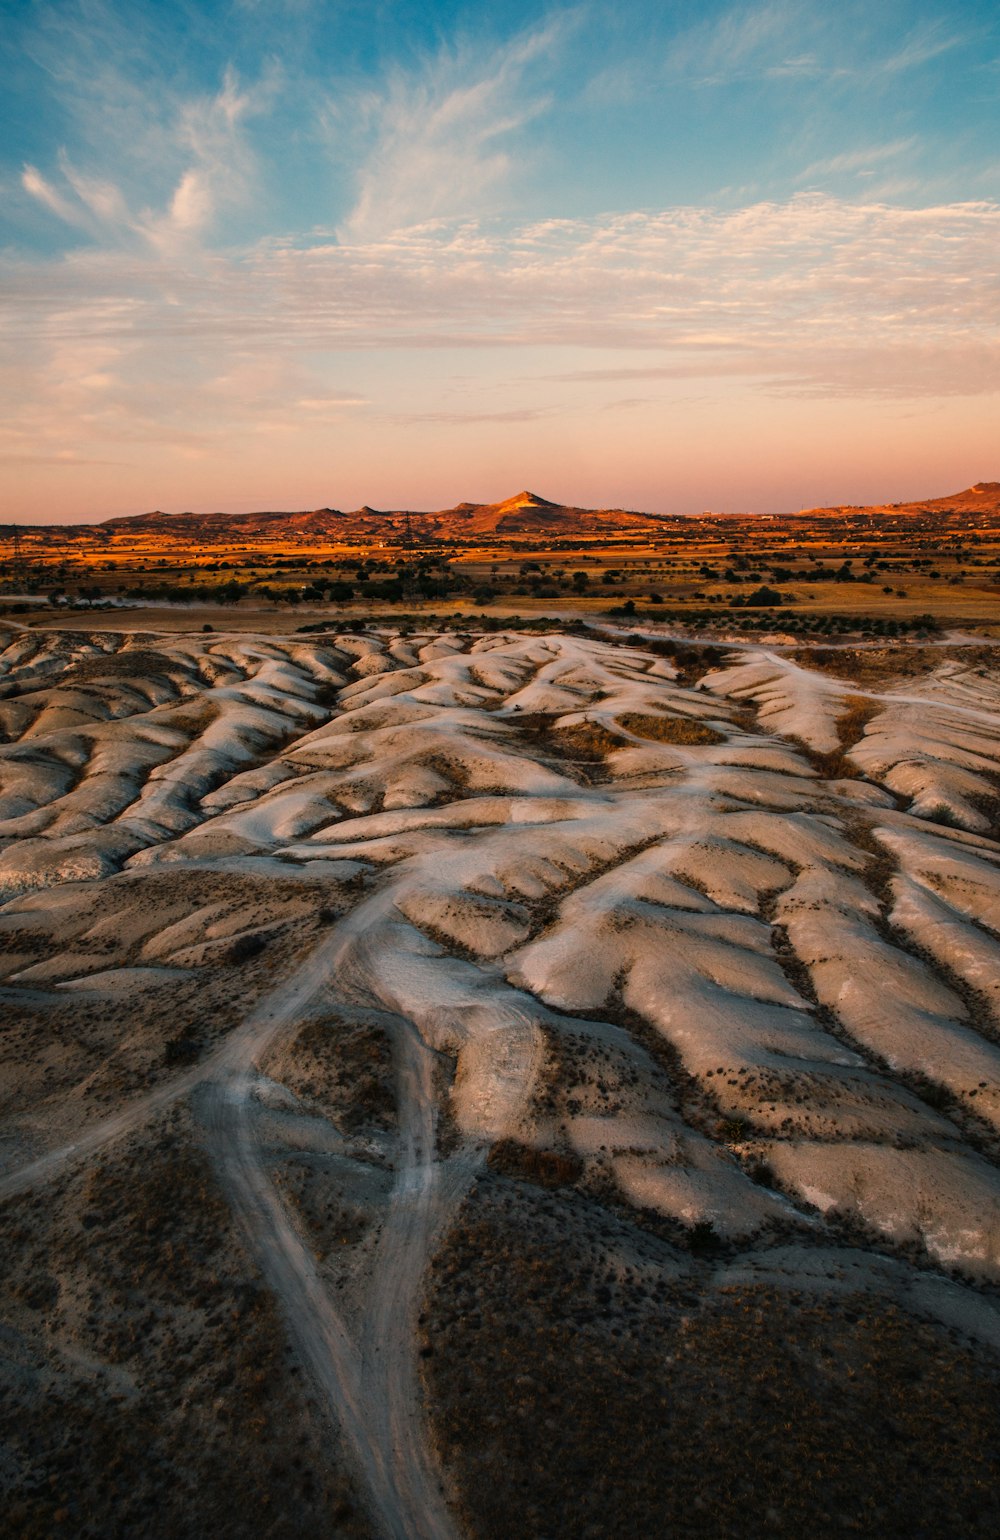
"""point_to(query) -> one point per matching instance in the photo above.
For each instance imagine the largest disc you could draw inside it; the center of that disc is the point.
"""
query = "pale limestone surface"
(768, 997)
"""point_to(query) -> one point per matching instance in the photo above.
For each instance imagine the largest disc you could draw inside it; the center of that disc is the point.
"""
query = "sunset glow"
(305, 254)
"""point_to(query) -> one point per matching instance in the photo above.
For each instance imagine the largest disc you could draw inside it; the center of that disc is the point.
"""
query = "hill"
(525, 516)
(983, 497)
(463, 1083)
(526, 513)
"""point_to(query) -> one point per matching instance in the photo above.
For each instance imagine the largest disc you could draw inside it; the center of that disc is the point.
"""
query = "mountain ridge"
(526, 513)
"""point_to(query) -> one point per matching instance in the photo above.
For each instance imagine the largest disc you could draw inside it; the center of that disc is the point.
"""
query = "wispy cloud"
(191, 146)
(435, 142)
(800, 40)
(464, 419)
(40, 188)
(861, 162)
(771, 39)
(926, 43)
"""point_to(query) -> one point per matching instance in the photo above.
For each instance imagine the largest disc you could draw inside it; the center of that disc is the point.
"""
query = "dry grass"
(345, 1069)
(583, 744)
(684, 731)
(580, 1386)
(155, 1393)
(868, 665)
(590, 740)
(836, 764)
(544, 1168)
(851, 722)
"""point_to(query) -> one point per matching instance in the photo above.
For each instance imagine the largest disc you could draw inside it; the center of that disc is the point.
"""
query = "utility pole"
(407, 530)
(15, 561)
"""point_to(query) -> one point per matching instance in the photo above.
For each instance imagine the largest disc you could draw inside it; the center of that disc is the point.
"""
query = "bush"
(680, 730)
(544, 1168)
(246, 947)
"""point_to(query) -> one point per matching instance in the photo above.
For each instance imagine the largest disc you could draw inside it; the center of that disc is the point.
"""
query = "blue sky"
(286, 252)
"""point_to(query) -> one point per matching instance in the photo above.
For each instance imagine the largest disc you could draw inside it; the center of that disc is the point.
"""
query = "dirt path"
(373, 1394)
(369, 1381)
(370, 1384)
(241, 1046)
(834, 686)
(424, 1196)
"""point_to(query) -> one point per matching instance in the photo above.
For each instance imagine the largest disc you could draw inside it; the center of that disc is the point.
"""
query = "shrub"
(679, 730)
(245, 947)
(544, 1168)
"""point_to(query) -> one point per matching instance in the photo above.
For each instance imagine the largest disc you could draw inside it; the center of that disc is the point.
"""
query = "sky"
(661, 255)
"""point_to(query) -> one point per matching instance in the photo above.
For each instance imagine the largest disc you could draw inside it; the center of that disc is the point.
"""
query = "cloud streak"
(814, 297)
(192, 146)
(799, 40)
(860, 162)
(434, 141)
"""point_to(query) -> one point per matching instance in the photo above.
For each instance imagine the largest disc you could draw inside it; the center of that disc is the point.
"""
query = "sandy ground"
(382, 915)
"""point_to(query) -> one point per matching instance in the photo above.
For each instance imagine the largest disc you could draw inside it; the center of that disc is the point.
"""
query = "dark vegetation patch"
(153, 1391)
(544, 1168)
(185, 1047)
(691, 660)
(857, 711)
(589, 741)
(832, 765)
(583, 744)
(346, 1068)
(327, 693)
(244, 948)
(869, 665)
(988, 804)
(580, 1386)
(121, 1044)
(680, 730)
(109, 1047)
(877, 665)
(193, 716)
(129, 663)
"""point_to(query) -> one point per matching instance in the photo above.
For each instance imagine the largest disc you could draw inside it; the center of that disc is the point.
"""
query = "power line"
(15, 561)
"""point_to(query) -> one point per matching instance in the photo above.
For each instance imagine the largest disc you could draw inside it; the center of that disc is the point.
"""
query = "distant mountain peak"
(527, 500)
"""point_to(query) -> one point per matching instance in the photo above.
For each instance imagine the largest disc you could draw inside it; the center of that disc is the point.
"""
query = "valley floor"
(498, 1085)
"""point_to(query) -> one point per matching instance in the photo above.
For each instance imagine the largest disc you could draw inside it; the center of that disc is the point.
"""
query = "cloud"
(62, 458)
(327, 403)
(858, 162)
(460, 419)
(34, 183)
(814, 297)
(746, 42)
(192, 146)
(923, 45)
(435, 141)
(800, 40)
